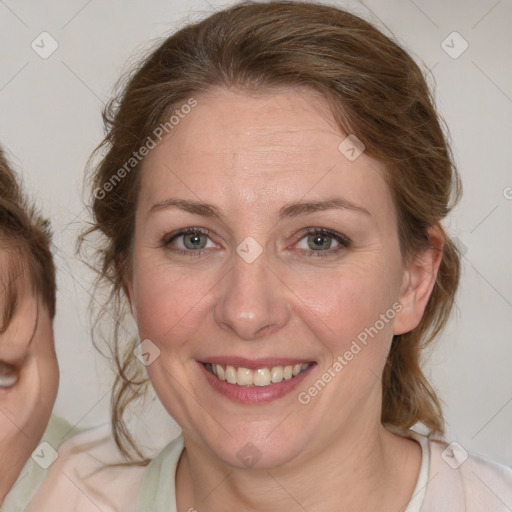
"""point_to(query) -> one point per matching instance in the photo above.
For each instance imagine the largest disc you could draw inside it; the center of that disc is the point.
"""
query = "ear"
(418, 282)
(127, 284)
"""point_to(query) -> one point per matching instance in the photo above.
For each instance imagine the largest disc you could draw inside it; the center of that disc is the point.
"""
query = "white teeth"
(244, 377)
(231, 375)
(276, 374)
(259, 377)
(262, 377)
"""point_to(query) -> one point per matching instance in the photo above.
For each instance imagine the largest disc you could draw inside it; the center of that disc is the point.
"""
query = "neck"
(363, 467)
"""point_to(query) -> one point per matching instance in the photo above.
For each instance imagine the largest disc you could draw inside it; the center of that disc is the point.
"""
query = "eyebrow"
(290, 210)
(196, 207)
(305, 208)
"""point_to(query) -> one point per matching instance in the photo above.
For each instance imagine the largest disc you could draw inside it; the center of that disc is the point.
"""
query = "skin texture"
(27, 351)
(249, 156)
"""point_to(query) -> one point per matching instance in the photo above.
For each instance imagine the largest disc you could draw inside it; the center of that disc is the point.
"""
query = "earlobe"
(418, 282)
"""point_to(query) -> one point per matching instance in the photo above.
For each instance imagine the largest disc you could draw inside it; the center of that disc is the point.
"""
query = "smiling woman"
(285, 240)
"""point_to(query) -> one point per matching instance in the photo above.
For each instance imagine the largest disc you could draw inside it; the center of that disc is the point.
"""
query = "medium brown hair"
(375, 90)
(26, 236)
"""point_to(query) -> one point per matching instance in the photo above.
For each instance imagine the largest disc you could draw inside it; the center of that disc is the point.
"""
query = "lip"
(254, 395)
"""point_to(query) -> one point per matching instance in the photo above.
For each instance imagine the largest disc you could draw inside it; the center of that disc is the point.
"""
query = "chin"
(256, 449)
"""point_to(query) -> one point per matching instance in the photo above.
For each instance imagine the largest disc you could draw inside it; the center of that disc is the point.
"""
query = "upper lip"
(253, 364)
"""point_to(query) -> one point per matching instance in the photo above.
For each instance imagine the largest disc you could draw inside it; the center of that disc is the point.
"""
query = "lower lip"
(254, 394)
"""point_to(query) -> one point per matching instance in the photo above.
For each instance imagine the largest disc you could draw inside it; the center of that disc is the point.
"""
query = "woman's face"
(29, 376)
(291, 259)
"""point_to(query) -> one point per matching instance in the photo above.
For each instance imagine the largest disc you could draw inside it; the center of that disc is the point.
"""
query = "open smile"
(255, 381)
(264, 376)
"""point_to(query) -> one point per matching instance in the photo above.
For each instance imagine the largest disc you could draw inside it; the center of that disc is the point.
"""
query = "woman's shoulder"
(461, 480)
(157, 491)
(89, 474)
(36, 467)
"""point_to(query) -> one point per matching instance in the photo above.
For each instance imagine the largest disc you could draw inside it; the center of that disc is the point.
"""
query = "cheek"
(44, 369)
(31, 401)
(42, 378)
(341, 305)
(167, 300)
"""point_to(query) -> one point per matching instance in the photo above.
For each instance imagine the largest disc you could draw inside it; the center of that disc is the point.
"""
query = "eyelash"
(168, 239)
(344, 242)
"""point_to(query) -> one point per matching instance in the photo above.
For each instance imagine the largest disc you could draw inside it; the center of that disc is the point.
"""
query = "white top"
(35, 469)
(450, 480)
(158, 496)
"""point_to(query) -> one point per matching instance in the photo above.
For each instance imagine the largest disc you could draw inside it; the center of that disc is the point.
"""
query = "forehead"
(249, 148)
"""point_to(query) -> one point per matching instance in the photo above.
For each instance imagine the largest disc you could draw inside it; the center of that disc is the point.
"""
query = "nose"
(252, 301)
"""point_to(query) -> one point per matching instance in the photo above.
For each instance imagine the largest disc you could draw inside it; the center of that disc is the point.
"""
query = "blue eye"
(321, 240)
(190, 240)
(317, 242)
(194, 240)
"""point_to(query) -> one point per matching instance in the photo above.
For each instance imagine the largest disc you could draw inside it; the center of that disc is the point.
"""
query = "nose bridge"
(252, 302)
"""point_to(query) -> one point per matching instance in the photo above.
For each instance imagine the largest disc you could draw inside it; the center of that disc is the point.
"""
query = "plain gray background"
(51, 122)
